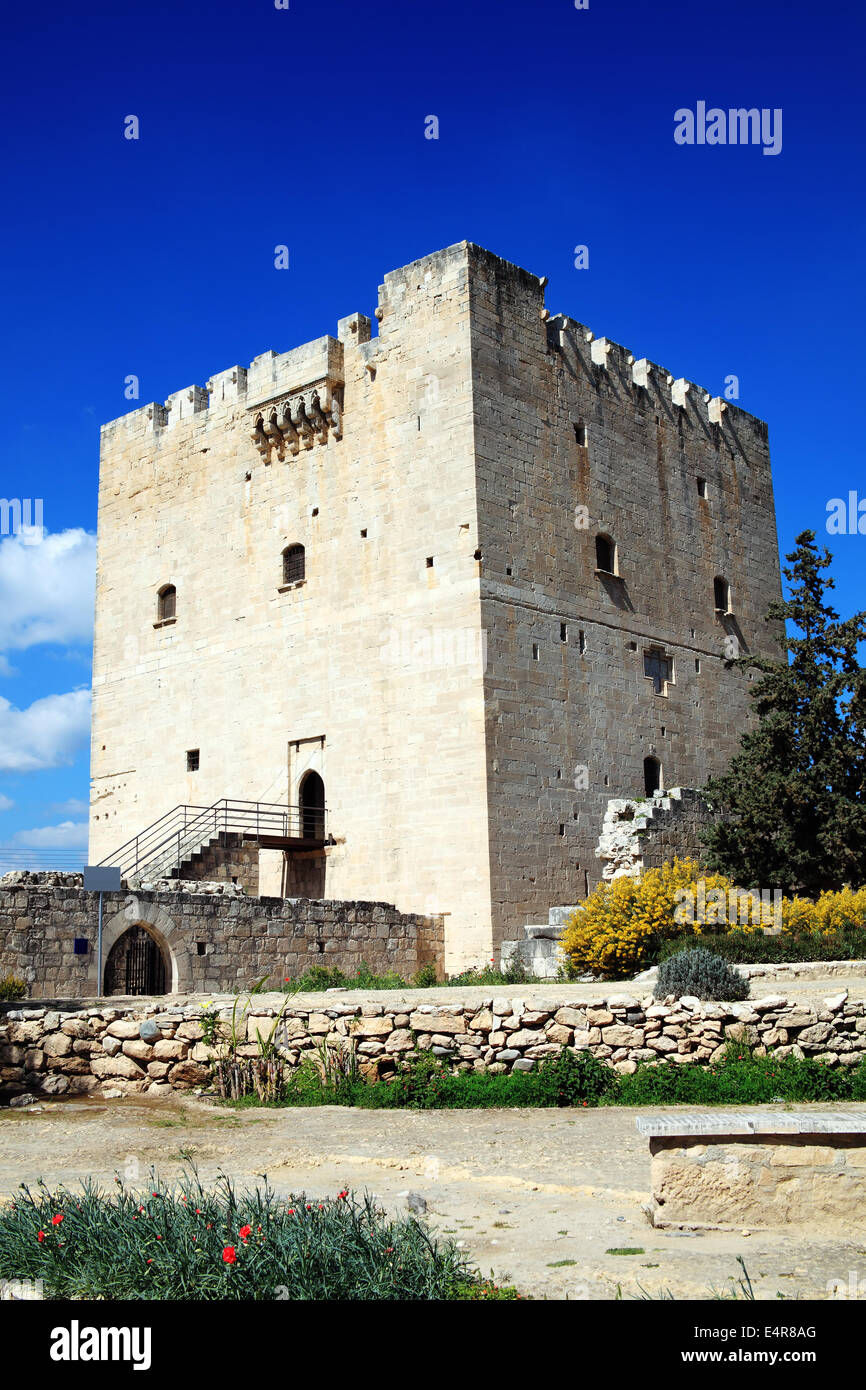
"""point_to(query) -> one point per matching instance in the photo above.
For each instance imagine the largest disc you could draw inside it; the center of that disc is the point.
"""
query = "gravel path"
(540, 1197)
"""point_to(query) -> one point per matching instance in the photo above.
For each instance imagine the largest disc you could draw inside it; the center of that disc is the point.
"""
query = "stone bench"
(758, 1169)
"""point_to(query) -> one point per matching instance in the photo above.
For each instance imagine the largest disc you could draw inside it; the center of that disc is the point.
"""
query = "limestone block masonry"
(209, 936)
(758, 1170)
(526, 557)
(156, 1047)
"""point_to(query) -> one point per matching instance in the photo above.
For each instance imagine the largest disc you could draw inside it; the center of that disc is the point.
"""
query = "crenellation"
(182, 405)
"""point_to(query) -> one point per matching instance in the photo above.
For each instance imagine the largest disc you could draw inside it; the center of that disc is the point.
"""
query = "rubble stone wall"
(154, 1047)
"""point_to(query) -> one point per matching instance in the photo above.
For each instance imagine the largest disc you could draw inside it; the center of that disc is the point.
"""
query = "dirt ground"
(540, 1198)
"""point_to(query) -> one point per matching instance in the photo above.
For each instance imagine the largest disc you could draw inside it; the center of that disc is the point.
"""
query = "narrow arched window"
(167, 603)
(294, 564)
(652, 775)
(721, 594)
(605, 554)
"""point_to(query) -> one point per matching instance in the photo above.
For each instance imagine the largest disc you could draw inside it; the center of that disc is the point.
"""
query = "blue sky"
(305, 126)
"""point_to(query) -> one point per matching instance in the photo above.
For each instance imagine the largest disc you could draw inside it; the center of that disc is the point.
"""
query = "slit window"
(580, 434)
(721, 594)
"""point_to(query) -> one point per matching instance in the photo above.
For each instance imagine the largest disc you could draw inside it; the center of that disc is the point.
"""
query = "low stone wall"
(151, 1047)
(212, 936)
(726, 1171)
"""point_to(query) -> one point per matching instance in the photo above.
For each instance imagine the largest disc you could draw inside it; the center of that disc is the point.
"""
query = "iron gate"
(145, 967)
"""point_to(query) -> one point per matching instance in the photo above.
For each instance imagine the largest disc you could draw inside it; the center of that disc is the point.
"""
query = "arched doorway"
(312, 800)
(135, 964)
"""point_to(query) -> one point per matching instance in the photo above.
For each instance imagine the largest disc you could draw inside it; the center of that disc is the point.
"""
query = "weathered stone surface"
(123, 1028)
(381, 1027)
(598, 1017)
(189, 1073)
(442, 1023)
(619, 1035)
(120, 1065)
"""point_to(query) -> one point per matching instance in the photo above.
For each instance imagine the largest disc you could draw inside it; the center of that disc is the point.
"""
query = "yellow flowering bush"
(831, 912)
(619, 928)
(622, 924)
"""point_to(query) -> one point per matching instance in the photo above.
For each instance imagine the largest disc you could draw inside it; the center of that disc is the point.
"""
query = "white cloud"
(47, 590)
(69, 834)
(6, 803)
(73, 807)
(47, 733)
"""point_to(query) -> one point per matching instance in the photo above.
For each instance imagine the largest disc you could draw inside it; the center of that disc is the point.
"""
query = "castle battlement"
(597, 355)
(318, 365)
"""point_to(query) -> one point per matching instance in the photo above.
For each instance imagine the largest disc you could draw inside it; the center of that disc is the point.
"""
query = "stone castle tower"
(464, 581)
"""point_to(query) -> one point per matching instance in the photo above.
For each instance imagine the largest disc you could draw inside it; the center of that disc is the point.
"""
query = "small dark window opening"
(580, 434)
(563, 632)
(721, 594)
(698, 665)
(200, 948)
(478, 555)
(581, 641)
(702, 487)
(167, 607)
(192, 760)
(652, 775)
(364, 534)
(294, 564)
(561, 829)
(658, 667)
(605, 554)
(507, 569)
(535, 651)
(429, 562)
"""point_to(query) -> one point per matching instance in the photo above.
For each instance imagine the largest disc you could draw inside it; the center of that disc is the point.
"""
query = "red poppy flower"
(56, 1220)
(40, 1237)
(230, 1255)
(245, 1231)
(342, 1195)
(291, 1211)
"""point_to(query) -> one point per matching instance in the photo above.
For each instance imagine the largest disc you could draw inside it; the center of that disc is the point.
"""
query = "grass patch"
(561, 1264)
(183, 1243)
(322, 977)
(626, 1250)
(579, 1079)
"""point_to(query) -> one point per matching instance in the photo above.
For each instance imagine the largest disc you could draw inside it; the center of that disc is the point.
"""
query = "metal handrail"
(181, 832)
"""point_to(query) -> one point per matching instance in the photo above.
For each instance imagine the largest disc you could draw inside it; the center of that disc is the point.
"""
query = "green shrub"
(188, 1243)
(580, 1079)
(575, 1078)
(701, 973)
(12, 987)
(756, 948)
